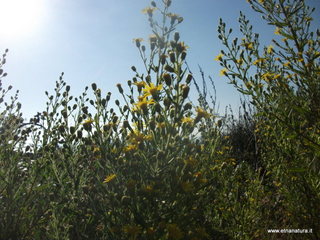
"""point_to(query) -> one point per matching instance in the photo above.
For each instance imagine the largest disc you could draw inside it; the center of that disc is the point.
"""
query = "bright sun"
(20, 17)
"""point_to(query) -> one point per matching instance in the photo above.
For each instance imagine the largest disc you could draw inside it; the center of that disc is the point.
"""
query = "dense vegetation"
(160, 167)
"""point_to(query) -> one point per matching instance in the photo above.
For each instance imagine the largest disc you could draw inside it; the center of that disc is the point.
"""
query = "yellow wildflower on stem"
(88, 121)
(223, 72)
(240, 61)
(287, 64)
(258, 61)
(152, 90)
(267, 76)
(87, 124)
(219, 57)
(187, 120)
(138, 41)
(201, 113)
(149, 10)
(140, 85)
(248, 45)
(143, 103)
(109, 178)
(277, 31)
(270, 49)
(130, 147)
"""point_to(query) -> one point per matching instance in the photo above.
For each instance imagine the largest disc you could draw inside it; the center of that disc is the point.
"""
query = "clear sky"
(91, 41)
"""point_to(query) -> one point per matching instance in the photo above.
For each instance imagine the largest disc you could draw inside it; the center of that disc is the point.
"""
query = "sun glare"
(20, 17)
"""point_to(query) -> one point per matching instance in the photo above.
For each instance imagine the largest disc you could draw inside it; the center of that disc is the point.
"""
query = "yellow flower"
(181, 47)
(259, 60)
(140, 84)
(109, 178)
(248, 84)
(130, 147)
(153, 38)
(96, 149)
(138, 41)
(174, 232)
(248, 45)
(270, 49)
(240, 61)
(201, 113)
(277, 31)
(223, 72)
(143, 104)
(219, 57)
(137, 137)
(152, 90)
(88, 122)
(148, 10)
(173, 17)
(267, 76)
(287, 64)
(187, 120)
(276, 76)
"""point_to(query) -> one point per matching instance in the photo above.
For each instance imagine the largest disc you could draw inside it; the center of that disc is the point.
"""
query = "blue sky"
(91, 41)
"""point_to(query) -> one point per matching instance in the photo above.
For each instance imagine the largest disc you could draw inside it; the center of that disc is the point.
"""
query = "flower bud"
(79, 134)
(72, 130)
(185, 91)
(134, 68)
(152, 124)
(61, 129)
(115, 119)
(183, 55)
(163, 59)
(126, 124)
(167, 102)
(120, 88)
(219, 123)
(187, 106)
(172, 56)
(176, 36)
(108, 96)
(173, 44)
(157, 107)
(172, 112)
(189, 78)
(152, 46)
(94, 86)
(169, 68)
(167, 78)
